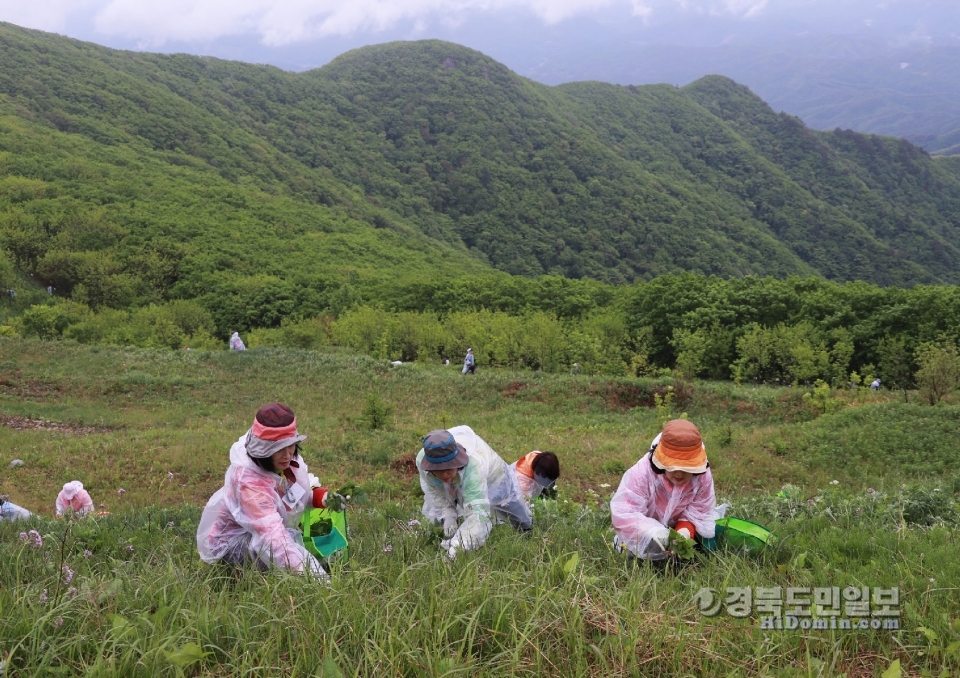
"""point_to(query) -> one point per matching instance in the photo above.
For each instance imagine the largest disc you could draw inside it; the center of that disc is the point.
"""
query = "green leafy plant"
(680, 546)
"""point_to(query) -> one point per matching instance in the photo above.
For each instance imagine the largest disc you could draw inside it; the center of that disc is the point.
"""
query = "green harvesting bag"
(742, 534)
(327, 541)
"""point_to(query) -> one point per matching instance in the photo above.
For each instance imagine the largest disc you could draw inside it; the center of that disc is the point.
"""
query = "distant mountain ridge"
(440, 154)
(908, 90)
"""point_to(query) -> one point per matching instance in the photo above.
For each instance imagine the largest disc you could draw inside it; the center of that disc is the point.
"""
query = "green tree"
(939, 373)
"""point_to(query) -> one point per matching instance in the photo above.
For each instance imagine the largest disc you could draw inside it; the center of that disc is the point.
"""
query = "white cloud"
(281, 22)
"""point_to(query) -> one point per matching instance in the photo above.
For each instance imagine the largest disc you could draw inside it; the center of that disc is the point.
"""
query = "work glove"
(449, 548)
(661, 537)
(686, 528)
(324, 498)
(313, 480)
(449, 526)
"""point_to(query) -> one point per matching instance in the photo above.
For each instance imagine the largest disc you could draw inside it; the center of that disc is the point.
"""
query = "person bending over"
(670, 487)
(467, 488)
(254, 517)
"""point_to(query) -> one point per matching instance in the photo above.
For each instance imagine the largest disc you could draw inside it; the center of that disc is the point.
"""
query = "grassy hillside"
(432, 148)
(872, 502)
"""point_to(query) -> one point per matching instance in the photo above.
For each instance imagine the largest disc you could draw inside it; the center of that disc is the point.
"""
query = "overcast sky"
(301, 34)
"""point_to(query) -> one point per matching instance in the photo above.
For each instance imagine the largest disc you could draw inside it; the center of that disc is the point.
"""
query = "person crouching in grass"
(536, 472)
(467, 488)
(670, 487)
(254, 517)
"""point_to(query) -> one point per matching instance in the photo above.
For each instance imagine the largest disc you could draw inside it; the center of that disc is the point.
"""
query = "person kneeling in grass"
(254, 517)
(536, 472)
(670, 487)
(467, 487)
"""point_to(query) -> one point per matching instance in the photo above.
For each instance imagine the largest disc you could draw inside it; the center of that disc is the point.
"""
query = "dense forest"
(411, 199)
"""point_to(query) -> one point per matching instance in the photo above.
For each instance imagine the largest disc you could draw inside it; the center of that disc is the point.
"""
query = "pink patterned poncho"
(646, 503)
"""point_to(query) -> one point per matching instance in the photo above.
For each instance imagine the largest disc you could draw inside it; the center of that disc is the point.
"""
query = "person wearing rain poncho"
(670, 487)
(74, 498)
(536, 472)
(253, 518)
(236, 343)
(467, 488)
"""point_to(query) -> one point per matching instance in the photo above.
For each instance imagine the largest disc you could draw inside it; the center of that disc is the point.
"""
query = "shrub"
(939, 372)
(376, 412)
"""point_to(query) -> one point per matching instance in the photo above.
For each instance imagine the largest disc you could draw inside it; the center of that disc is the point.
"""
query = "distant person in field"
(467, 489)
(254, 517)
(670, 487)
(536, 472)
(10, 511)
(236, 343)
(469, 363)
(73, 498)
(875, 384)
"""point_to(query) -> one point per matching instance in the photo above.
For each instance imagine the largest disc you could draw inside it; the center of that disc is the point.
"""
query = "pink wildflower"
(169, 475)
(121, 491)
(67, 574)
(37, 539)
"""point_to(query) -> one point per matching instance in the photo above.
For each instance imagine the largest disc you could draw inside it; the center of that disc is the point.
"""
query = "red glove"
(320, 497)
(681, 524)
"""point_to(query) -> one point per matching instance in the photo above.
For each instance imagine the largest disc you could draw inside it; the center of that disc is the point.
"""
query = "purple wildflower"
(71, 593)
(67, 574)
(43, 598)
(858, 510)
(23, 536)
(87, 553)
(169, 475)
(129, 548)
(388, 548)
(171, 524)
(121, 491)
(870, 490)
(57, 624)
(37, 539)
(414, 523)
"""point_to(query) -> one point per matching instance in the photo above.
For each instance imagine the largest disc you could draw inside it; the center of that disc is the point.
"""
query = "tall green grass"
(556, 602)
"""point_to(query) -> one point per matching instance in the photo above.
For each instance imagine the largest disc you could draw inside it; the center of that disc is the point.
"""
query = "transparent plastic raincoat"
(523, 469)
(255, 516)
(646, 505)
(74, 498)
(483, 493)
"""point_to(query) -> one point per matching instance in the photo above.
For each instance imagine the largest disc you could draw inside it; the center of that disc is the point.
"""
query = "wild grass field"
(870, 501)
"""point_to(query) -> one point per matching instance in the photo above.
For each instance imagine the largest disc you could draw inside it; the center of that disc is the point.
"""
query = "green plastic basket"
(742, 534)
(329, 544)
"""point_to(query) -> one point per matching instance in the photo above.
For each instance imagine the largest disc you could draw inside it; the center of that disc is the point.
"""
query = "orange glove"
(686, 529)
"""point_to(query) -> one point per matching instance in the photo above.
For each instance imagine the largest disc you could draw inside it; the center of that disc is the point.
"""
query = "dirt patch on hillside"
(27, 424)
(405, 465)
(513, 389)
(27, 389)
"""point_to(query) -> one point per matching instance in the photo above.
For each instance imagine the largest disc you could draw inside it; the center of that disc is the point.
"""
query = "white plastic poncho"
(248, 518)
(483, 492)
(646, 504)
(236, 343)
(10, 511)
(523, 469)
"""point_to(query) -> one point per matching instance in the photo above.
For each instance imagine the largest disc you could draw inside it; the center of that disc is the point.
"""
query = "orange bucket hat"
(680, 448)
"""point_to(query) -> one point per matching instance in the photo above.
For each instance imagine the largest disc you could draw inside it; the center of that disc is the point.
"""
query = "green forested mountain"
(131, 178)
